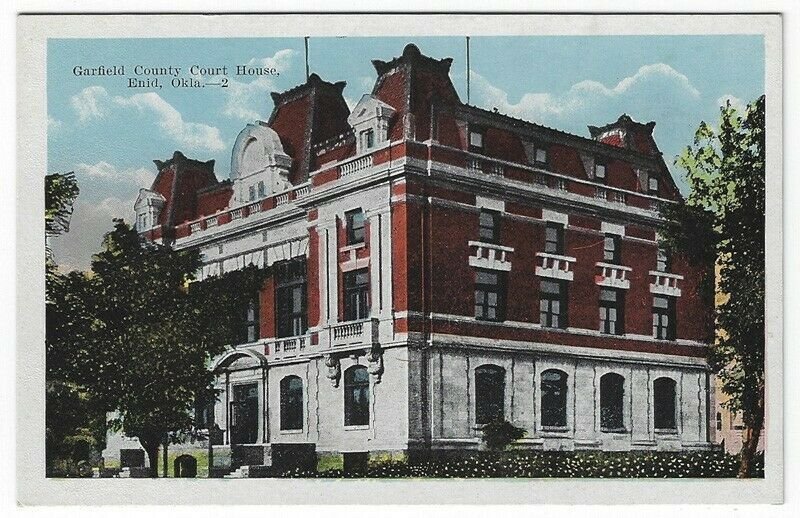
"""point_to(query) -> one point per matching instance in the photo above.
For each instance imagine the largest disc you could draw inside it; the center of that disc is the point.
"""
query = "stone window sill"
(290, 432)
(354, 246)
(356, 427)
(666, 431)
(614, 430)
(554, 430)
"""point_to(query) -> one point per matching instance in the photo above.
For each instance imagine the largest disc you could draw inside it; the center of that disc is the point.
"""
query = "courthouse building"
(435, 266)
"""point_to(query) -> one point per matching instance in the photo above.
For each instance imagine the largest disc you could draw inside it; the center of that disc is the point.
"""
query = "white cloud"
(90, 103)
(656, 79)
(94, 103)
(656, 72)
(738, 104)
(141, 177)
(248, 100)
(170, 120)
(90, 222)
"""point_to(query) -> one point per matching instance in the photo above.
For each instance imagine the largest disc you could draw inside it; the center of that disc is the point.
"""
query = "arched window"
(490, 394)
(291, 403)
(612, 391)
(664, 402)
(356, 396)
(554, 398)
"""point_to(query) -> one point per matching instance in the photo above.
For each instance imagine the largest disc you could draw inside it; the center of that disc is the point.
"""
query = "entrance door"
(244, 414)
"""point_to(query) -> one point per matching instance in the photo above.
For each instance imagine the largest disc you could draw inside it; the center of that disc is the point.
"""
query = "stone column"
(380, 256)
(328, 273)
(641, 411)
(587, 392)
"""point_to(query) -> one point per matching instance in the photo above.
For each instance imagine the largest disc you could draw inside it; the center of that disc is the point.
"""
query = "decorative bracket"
(375, 363)
(334, 369)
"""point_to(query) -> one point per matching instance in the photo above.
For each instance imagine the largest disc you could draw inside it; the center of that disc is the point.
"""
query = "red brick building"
(437, 266)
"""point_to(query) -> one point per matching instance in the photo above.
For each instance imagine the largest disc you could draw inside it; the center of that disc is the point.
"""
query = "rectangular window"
(356, 294)
(664, 318)
(262, 190)
(489, 295)
(541, 155)
(600, 172)
(367, 139)
(554, 238)
(611, 249)
(489, 226)
(652, 186)
(355, 226)
(142, 222)
(291, 299)
(250, 331)
(252, 192)
(553, 304)
(662, 261)
(612, 311)
(475, 139)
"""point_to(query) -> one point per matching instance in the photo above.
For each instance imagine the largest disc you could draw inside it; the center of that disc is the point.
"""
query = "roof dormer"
(148, 208)
(370, 122)
(259, 166)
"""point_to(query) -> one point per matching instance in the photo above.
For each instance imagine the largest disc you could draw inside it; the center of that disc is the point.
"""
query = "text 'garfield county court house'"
(436, 266)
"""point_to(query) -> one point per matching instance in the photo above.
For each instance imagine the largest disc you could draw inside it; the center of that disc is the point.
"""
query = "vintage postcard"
(365, 257)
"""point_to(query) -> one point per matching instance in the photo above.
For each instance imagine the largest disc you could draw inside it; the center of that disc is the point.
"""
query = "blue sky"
(109, 134)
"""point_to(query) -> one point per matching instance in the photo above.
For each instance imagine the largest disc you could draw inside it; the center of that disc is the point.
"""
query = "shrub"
(498, 434)
(529, 464)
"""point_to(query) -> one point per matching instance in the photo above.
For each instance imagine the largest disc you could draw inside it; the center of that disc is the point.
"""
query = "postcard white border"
(34, 488)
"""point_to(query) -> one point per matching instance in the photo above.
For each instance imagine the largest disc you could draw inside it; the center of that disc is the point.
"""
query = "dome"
(256, 148)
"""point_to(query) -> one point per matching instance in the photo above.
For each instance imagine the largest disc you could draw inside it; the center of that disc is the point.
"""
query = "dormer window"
(652, 186)
(148, 208)
(536, 153)
(475, 139)
(541, 155)
(367, 139)
(600, 172)
(259, 165)
(370, 122)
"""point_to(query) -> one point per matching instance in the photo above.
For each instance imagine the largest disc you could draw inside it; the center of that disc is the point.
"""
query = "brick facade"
(421, 190)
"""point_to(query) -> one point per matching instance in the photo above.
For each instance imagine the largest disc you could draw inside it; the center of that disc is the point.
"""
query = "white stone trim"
(613, 276)
(612, 228)
(613, 355)
(551, 266)
(496, 257)
(665, 283)
(517, 324)
(490, 203)
(555, 217)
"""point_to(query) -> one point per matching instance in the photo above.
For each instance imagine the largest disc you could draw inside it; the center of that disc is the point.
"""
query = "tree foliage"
(60, 192)
(139, 334)
(723, 221)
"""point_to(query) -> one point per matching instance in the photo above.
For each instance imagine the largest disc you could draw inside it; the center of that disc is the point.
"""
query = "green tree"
(74, 428)
(60, 192)
(722, 221)
(147, 350)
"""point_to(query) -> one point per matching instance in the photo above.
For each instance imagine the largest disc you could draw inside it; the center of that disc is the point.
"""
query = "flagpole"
(305, 41)
(467, 69)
